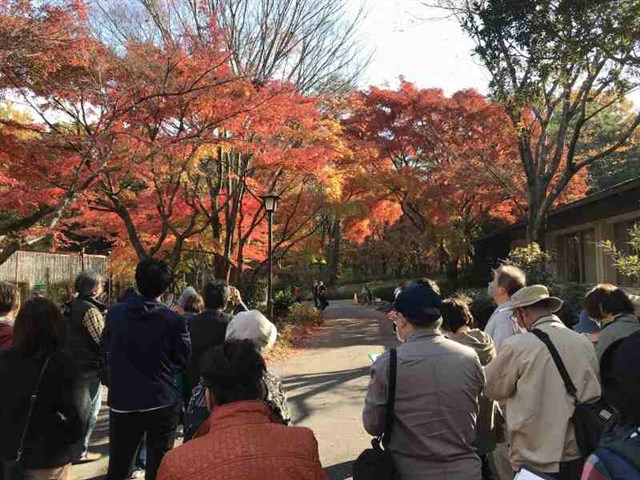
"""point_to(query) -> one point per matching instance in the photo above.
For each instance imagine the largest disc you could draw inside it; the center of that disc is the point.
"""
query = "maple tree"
(556, 66)
(158, 147)
(51, 68)
(448, 162)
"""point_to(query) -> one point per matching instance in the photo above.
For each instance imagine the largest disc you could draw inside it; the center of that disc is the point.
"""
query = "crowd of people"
(468, 403)
(473, 404)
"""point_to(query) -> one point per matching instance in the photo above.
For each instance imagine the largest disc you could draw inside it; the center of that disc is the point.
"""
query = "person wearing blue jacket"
(144, 345)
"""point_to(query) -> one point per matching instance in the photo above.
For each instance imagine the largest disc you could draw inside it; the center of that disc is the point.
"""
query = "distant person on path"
(85, 323)
(507, 280)
(297, 294)
(457, 324)
(315, 293)
(438, 384)
(9, 306)
(39, 361)
(242, 440)
(146, 345)
(323, 302)
(539, 409)
(613, 308)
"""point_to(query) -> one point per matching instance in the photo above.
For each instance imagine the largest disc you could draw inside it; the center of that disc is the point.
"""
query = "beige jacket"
(539, 408)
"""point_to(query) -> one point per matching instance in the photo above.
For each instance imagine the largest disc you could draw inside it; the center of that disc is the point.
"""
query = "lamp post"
(270, 203)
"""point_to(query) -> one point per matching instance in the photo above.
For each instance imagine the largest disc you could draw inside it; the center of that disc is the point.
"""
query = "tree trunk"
(335, 265)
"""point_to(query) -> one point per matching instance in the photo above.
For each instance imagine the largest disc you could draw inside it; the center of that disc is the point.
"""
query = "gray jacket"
(436, 409)
(620, 327)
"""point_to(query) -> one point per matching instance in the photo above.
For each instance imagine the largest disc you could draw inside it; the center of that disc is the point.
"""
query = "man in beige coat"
(539, 409)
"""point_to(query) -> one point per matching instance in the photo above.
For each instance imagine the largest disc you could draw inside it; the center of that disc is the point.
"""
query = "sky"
(418, 42)
(415, 41)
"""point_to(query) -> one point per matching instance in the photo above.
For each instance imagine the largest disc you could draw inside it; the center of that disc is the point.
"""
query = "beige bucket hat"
(527, 296)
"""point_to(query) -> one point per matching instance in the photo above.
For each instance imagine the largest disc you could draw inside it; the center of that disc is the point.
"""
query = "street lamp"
(270, 203)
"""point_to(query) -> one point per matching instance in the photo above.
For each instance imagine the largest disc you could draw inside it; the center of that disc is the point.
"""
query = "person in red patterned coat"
(241, 440)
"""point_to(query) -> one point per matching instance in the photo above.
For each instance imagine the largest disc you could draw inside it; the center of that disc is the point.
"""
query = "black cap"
(419, 302)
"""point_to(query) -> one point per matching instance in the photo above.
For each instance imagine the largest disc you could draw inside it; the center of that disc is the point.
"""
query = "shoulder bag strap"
(391, 398)
(568, 384)
(32, 404)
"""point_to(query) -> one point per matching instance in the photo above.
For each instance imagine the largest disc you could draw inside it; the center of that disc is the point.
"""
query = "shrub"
(384, 293)
(282, 302)
(304, 314)
(572, 295)
(628, 265)
(533, 261)
(254, 293)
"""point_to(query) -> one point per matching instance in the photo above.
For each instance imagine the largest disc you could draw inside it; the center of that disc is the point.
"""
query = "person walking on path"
(9, 306)
(39, 366)
(616, 313)
(145, 345)
(457, 324)
(242, 440)
(437, 388)
(507, 280)
(85, 324)
(539, 409)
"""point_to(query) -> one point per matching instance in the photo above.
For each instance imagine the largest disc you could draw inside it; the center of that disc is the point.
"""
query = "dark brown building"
(572, 235)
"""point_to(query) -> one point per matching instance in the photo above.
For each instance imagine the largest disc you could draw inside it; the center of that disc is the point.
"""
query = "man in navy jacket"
(144, 346)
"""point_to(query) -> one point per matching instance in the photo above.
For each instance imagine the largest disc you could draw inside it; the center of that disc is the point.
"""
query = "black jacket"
(57, 421)
(80, 344)
(144, 346)
(208, 330)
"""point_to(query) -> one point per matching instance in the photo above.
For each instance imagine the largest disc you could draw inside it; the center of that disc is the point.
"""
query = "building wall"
(582, 241)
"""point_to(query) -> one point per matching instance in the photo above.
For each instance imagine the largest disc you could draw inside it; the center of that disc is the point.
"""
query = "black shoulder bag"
(376, 463)
(589, 419)
(12, 469)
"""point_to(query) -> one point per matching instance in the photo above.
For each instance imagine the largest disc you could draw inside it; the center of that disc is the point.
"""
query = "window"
(576, 256)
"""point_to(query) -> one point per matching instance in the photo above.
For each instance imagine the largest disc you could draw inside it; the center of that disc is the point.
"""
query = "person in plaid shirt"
(84, 317)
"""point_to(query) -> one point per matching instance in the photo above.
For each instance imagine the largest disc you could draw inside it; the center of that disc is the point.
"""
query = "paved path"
(325, 383)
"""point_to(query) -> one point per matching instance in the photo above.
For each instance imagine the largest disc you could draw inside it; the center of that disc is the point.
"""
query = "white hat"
(527, 296)
(186, 293)
(254, 326)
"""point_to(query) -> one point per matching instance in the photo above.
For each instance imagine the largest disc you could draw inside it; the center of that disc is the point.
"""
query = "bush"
(303, 314)
(282, 302)
(253, 294)
(533, 261)
(572, 295)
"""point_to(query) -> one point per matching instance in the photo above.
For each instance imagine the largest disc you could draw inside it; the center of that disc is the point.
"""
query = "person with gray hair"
(84, 318)
(254, 326)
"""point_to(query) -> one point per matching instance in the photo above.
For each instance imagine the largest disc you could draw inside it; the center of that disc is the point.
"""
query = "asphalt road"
(325, 383)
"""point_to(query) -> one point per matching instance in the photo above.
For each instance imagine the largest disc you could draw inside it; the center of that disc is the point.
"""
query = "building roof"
(605, 194)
